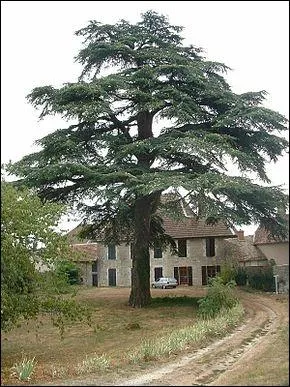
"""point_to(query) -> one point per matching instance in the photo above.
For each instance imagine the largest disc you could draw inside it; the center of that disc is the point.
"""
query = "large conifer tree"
(119, 156)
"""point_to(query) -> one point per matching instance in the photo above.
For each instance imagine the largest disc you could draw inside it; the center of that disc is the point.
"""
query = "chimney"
(240, 235)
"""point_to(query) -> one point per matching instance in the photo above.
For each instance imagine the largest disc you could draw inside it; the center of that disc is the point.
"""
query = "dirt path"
(208, 366)
(219, 362)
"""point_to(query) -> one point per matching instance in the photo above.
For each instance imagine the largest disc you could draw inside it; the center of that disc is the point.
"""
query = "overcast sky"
(38, 46)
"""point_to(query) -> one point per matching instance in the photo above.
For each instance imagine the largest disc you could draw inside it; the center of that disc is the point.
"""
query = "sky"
(38, 46)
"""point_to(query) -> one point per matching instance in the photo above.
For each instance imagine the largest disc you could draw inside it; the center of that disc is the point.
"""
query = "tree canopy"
(164, 117)
(30, 246)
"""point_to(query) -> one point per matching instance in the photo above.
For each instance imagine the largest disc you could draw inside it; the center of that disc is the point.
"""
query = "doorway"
(183, 274)
(112, 277)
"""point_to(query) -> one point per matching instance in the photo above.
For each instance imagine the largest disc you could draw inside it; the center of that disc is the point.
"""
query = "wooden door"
(112, 277)
(157, 273)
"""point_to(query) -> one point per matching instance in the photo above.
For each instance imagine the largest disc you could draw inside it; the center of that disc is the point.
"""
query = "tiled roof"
(91, 251)
(243, 250)
(73, 235)
(187, 227)
(192, 228)
(262, 236)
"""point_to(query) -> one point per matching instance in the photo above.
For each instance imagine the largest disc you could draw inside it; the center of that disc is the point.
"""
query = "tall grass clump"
(198, 334)
(93, 364)
(219, 296)
(24, 369)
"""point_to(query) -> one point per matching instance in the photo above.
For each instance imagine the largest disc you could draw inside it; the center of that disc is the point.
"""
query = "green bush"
(68, 270)
(241, 276)
(227, 274)
(262, 279)
(219, 296)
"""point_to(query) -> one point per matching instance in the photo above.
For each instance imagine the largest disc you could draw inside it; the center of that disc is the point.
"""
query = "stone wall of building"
(277, 251)
(283, 277)
(196, 258)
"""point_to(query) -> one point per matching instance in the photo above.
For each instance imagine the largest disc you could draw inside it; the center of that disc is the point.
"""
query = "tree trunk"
(140, 283)
(144, 207)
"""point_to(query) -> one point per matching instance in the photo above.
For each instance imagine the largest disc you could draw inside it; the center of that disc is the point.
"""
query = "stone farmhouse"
(276, 250)
(202, 250)
(258, 251)
(200, 255)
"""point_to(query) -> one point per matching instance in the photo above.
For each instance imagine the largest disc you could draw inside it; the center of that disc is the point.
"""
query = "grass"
(117, 330)
(24, 369)
(119, 334)
(93, 364)
(196, 334)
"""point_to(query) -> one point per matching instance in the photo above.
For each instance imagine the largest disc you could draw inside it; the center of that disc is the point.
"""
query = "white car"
(165, 282)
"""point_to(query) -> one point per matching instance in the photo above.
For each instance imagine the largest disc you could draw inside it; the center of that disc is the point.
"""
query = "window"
(181, 247)
(158, 271)
(111, 251)
(210, 247)
(157, 252)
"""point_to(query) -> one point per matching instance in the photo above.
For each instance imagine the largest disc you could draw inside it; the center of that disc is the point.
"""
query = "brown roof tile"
(262, 236)
(73, 235)
(89, 251)
(243, 250)
(192, 228)
(187, 227)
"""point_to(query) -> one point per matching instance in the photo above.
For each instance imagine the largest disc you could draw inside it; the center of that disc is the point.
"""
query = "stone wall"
(283, 277)
(196, 258)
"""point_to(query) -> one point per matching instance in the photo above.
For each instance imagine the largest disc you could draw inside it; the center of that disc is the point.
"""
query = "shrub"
(219, 296)
(241, 276)
(24, 369)
(69, 270)
(227, 274)
(262, 279)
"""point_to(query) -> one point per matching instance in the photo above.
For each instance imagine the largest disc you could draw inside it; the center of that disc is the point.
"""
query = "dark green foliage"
(28, 239)
(227, 274)
(65, 311)
(115, 162)
(219, 296)
(241, 276)
(261, 278)
(174, 301)
(69, 271)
